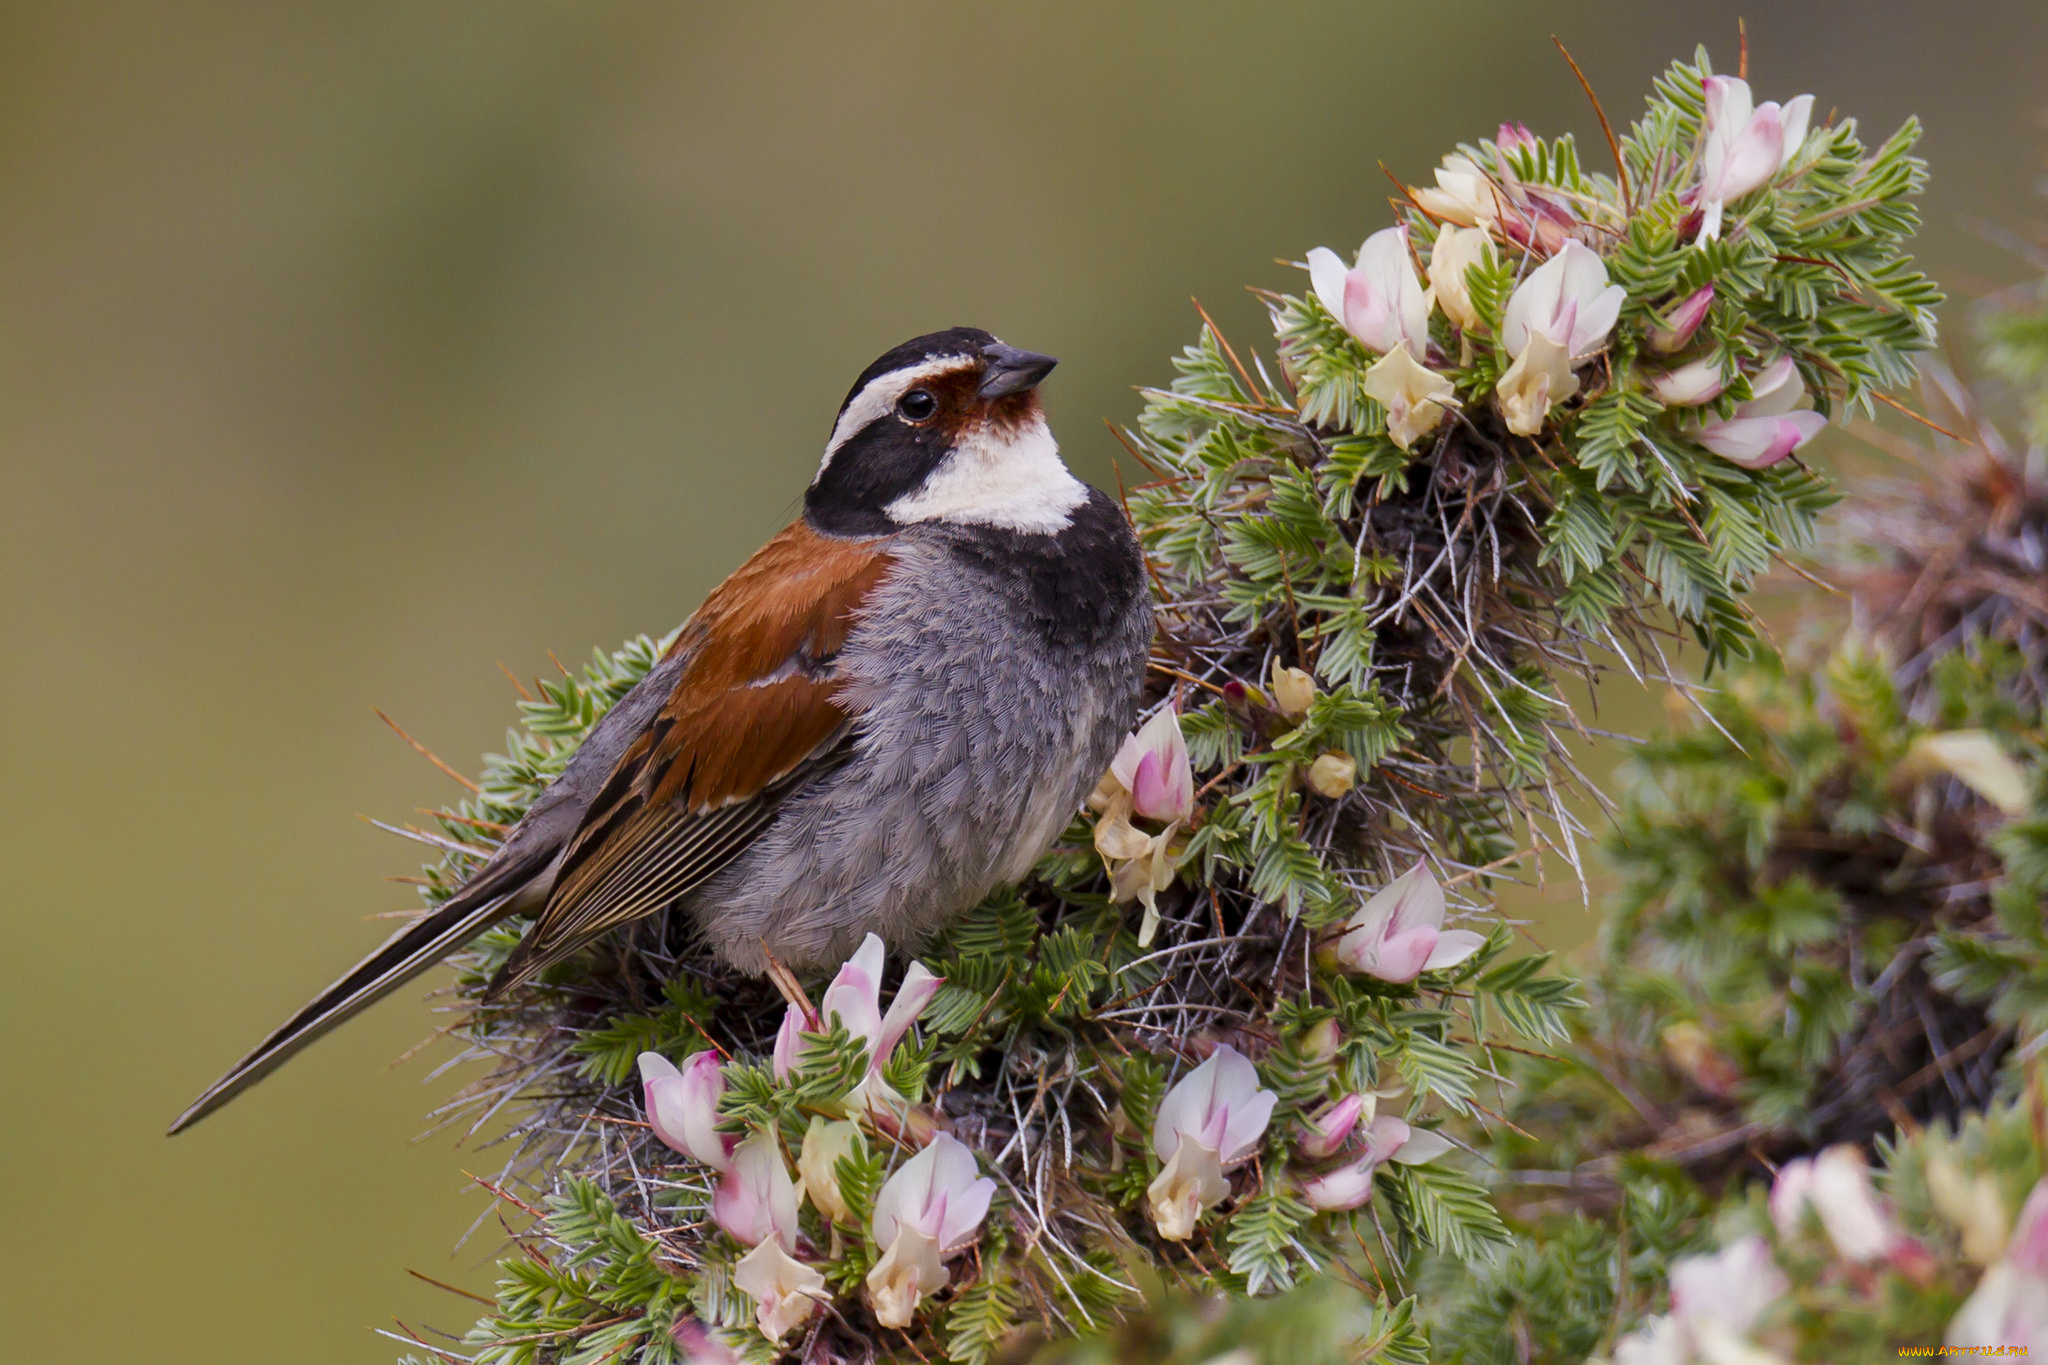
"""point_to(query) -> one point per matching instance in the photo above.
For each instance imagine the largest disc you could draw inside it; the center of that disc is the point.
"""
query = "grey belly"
(977, 744)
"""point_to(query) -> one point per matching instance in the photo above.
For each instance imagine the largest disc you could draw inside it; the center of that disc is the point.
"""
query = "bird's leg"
(786, 982)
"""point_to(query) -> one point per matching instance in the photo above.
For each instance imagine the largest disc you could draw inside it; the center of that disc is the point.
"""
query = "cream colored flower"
(1463, 193)
(1457, 250)
(785, 1290)
(1541, 375)
(926, 1212)
(1293, 690)
(1415, 396)
(817, 1165)
(1333, 774)
(1976, 760)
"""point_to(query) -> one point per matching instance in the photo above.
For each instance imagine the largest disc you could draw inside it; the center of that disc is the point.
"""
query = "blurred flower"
(785, 1290)
(855, 998)
(1378, 300)
(699, 1344)
(1978, 761)
(1973, 1204)
(1457, 250)
(1557, 317)
(1399, 934)
(925, 1213)
(1715, 1302)
(2010, 1304)
(817, 1165)
(1333, 774)
(756, 1200)
(1463, 194)
(1836, 1185)
(1675, 331)
(1691, 1049)
(1745, 145)
(682, 1106)
(1386, 1139)
(1688, 386)
(1207, 1123)
(1765, 429)
(1414, 396)
(1322, 1040)
(1514, 135)
(1153, 767)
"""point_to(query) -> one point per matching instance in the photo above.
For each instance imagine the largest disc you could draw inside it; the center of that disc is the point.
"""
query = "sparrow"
(894, 707)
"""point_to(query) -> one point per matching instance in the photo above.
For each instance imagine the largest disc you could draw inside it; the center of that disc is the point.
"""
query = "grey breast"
(981, 730)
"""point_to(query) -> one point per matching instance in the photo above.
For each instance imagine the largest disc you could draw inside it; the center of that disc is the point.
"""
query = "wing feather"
(756, 713)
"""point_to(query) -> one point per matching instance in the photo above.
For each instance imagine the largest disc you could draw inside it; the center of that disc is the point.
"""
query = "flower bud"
(1688, 386)
(1675, 330)
(1333, 774)
(818, 1165)
(1293, 691)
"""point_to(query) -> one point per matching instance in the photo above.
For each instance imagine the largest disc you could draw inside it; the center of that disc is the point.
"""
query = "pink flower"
(1674, 331)
(925, 1213)
(756, 1198)
(1210, 1121)
(1399, 934)
(1745, 146)
(1328, 1134)
(1688, 386)
(1386, 1139)
(682, 1106)
(1765, 429)
(1715, 1302)
(855, 999)
(1379, 300)
(1514, 135)
(2010, 1303)
(1153, 766)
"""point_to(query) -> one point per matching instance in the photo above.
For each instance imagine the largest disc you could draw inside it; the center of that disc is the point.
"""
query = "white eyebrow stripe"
(880, 395)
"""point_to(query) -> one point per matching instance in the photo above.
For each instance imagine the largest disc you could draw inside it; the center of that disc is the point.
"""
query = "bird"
(891, 709)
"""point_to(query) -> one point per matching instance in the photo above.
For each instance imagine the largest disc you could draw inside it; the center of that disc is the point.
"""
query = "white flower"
(1558, 317)
(1153, 767)
(1836, 1185)
(1207, 1123)
(1386, 1139)
(1765, 429)
(756, 1200)
(1457, 250)
(1463, 194)
(1977, 760)
(1415, 396)
(785, 1290)
(1567, 299)
(855, 999)
(1688, 386)
(925, 1213)
(1745, 145)
(2010, 1304)
(1378, 300)
(682, 1106)
(1399, 934)
(817, 1165)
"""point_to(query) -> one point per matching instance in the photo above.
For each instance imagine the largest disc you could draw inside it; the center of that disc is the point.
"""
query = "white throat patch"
(1012, 479)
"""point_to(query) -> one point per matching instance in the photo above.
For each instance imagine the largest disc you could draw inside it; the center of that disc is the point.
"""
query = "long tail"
(405, 956)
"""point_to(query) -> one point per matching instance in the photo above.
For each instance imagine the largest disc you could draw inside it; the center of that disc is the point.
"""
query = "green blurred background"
(347, 349)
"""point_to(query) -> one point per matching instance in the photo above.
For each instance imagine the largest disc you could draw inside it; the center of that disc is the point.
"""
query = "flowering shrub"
(1235, 1031)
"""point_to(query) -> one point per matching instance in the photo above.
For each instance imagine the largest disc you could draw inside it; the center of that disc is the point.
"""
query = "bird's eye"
(917, 405)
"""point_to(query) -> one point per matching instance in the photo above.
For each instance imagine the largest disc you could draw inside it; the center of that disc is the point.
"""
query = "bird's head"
(946, 427)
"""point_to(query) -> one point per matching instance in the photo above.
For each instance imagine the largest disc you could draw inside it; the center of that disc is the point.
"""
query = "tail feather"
(406, 955)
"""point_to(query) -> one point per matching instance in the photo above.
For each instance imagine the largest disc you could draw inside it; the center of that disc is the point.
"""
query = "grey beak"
(1011, 370)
